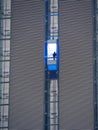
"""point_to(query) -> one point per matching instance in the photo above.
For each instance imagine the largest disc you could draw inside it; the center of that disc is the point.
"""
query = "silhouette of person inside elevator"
(54, 55)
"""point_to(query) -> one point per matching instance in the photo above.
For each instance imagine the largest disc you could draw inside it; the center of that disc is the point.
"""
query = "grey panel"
(76, 65)
(26, 91)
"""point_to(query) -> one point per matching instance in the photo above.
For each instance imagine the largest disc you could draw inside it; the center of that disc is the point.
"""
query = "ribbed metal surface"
(27, 71)
(76, 69)
(26, 91)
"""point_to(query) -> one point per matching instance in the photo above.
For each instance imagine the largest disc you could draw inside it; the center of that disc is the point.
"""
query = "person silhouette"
(54, 55)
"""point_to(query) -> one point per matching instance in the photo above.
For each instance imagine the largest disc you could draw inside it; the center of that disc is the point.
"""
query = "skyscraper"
(76, 78)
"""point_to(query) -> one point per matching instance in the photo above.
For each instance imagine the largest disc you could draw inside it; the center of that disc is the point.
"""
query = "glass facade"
(53, 22)
(5, 37)
(53, 105)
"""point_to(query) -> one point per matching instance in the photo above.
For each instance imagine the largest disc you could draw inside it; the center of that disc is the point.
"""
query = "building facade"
(5, 38)
(23, 108)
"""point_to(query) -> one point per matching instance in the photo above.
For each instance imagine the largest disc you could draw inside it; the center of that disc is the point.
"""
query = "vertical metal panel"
(76, 65)
(26, 90)
(95, 40)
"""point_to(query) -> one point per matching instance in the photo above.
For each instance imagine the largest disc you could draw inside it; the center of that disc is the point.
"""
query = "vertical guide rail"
(95, 41)
(95, 63)
(54, 122)
(95, 52)
(51, 62)
(5, 37)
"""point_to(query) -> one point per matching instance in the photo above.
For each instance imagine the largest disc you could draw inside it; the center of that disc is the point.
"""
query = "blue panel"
(52, 67)
(45, 53)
